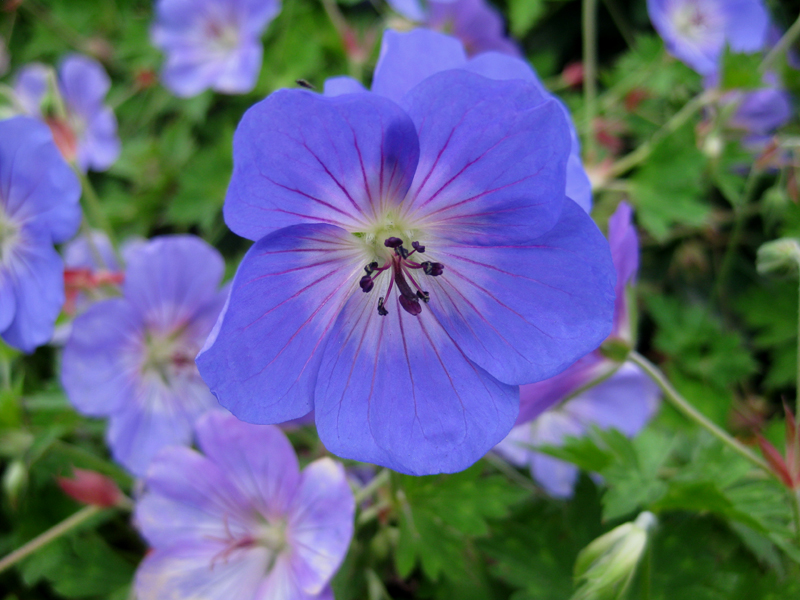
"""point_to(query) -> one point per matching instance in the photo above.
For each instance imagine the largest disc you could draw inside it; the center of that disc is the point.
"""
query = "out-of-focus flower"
(90, 487)
(132, 358)
(83, 127)
(625, 401)
(39, 207)
(406, 59)
(212, 44)
(412, 266)
(605, 568)
(242, 521)
(697, 31)
(477, 24)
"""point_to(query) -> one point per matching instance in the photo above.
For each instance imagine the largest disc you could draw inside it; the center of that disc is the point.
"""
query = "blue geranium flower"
(414, 263)
(212, 43)
(131, 358)
(697, 31)
(87, 133)
(408, 58)
(476, 23)
(39, 207)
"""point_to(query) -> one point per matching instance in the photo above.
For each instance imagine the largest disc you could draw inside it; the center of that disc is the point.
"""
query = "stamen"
(434, 269)
(381, 310)
(366, 283)
(393, 242)
(371, 267)
(412, 306)
(424, 296)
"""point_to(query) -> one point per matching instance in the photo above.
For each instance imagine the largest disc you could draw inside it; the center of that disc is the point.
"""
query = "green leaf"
(524, 14)
(740, 71)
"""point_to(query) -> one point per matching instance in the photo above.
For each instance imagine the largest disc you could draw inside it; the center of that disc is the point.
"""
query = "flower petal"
(337, 86)
(36, 274)
(397, 391)
(99, 147)
(289, 289)
(36, 184)
(625, 401)
(30, 87)
(84, 84)
(171, 278)
(8, 300)
(526, 311)
(320, 524)
(556, 476)
(201, 571)
(406, 59)
(257, 458)
(624, 243)
(189, 499)
(156, 417)
(493, 157)
(304, 158)
(100, 364)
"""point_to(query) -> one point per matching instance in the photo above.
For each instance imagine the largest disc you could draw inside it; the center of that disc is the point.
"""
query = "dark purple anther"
(433, 268)
(393, 242)
(411, 305)
(366, 283)
(370, 268)
(418, 247)
(401, 251)
(381, 310)
(424, 296)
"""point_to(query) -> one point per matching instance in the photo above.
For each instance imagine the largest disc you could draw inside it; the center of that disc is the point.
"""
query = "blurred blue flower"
(697, 31)
(624, 401)
(87, 133)
(212, 44)
(476, 23)
(39, 207)
(414, 263)
(132, 358)
(408, 58)
(242, 521)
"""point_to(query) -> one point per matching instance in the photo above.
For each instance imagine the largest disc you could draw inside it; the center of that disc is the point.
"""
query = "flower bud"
(778, 257)
(90, 487)
(606, 567)
(15, 478)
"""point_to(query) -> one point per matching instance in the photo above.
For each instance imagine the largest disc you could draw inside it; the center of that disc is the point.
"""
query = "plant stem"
(48, 536)
(510, 472)
(689, 411)
(368, 490)
(782, 46)
(641, 153)
(621, 22)
(795, 494)
(590, 75)
(94, 208)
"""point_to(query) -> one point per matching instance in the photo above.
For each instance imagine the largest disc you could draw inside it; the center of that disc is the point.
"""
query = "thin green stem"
(94, 208)
(373, 486)
(510, 472)
(781, 47)
(678, 120)
(740, 217)
(625, 29)
(590, 75)
(48, 536)
(689, 411)
(795, 494)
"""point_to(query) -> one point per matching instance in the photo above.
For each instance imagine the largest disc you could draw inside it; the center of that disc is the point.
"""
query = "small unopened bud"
(779, 257)
(605, 568)
(615, 349)
(90, 487)
(15, 478)
(713, 146)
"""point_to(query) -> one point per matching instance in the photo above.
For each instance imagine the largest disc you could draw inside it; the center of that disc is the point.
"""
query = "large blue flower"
(414, 263)
(39, 207)
(408, 58)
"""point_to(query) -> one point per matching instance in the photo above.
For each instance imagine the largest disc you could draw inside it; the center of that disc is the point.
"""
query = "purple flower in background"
(241, 521)
(212, 44)
(132, 358)
(478, 25)
(414, 263)
(39, 207)
(87, 133)
(406, 59)
(760, 112)
(625, 401)
(697, 31)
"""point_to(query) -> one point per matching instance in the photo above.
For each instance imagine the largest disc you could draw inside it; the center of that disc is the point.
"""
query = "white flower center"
(695, 21)
(224, 36)
(169, 356)
(9, 235)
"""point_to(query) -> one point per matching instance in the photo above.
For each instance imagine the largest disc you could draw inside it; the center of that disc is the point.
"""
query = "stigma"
(402, 275)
